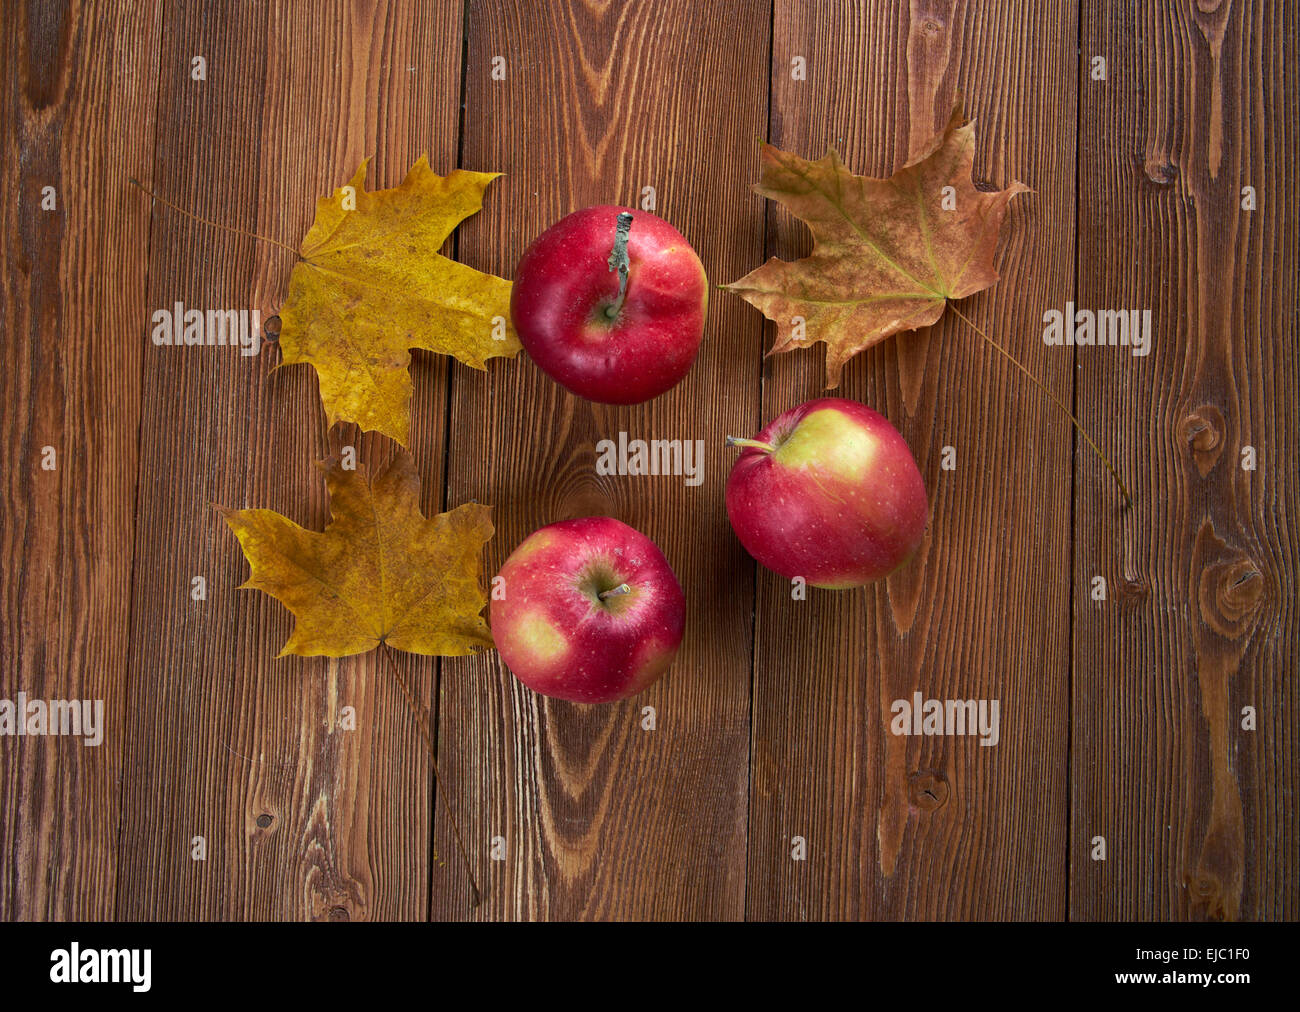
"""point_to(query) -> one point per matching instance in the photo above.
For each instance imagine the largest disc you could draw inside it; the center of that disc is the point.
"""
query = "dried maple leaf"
(380, 572)
(887, 254)
(371, 285)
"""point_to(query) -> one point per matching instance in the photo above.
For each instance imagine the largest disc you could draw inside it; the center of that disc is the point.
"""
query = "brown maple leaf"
(379, 573)
(887, 254)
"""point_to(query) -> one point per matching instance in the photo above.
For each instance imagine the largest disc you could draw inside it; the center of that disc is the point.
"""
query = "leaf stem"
(208, 221)
(421, 718)
(1128, 499)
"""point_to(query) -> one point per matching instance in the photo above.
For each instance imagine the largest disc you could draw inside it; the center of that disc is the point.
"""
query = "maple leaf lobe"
(380, 572)
(887, 254)
(372, 285)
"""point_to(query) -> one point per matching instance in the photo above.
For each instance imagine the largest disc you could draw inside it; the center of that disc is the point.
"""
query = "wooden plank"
(206, 734)
(303, 818)
(1199, 621)
(930, 827)
(78, 117)
(600, 819)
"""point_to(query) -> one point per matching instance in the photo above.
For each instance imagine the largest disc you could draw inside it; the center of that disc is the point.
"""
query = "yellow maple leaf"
(371, 285)
(379, 573)
(887, 254)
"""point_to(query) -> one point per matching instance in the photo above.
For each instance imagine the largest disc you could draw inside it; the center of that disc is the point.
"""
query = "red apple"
(591, 611)
(566, 307)
(830, 492)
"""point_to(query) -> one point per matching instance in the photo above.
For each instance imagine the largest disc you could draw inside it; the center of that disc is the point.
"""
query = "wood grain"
(77, 116)
(1200, 618)
(303, 818)
(929, 827)
(1120, 718)
(600, 819)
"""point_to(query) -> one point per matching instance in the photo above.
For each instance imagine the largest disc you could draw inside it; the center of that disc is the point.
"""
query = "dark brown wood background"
(1120, 719)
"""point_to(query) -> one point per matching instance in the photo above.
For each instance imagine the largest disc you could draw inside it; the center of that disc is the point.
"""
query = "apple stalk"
(618, 261)
(751, 444)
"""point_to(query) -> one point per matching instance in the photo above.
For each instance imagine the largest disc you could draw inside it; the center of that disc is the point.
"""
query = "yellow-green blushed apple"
(829, 492)
(610, 303)
(589, 611)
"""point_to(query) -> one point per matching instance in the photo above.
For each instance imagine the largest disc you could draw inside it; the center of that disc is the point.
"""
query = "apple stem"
(1128, 499)
(751, 444)
(618, 261)
(622, 588)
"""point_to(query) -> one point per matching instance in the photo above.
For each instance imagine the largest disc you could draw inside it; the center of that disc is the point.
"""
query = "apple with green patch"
(830, 492)
(590, 611)
(610, 303)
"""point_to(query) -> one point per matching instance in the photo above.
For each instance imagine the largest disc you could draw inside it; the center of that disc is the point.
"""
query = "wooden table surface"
(1121, 719)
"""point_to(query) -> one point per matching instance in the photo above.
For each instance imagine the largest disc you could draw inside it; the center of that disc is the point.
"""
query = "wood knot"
(1202, 431)
(1206, 895)
(264, 820)
(1231, 594)
(1132, 588)
(1162, 173)
(932, 26)
(1229, 590)
(1204, 887)
(927, 790)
